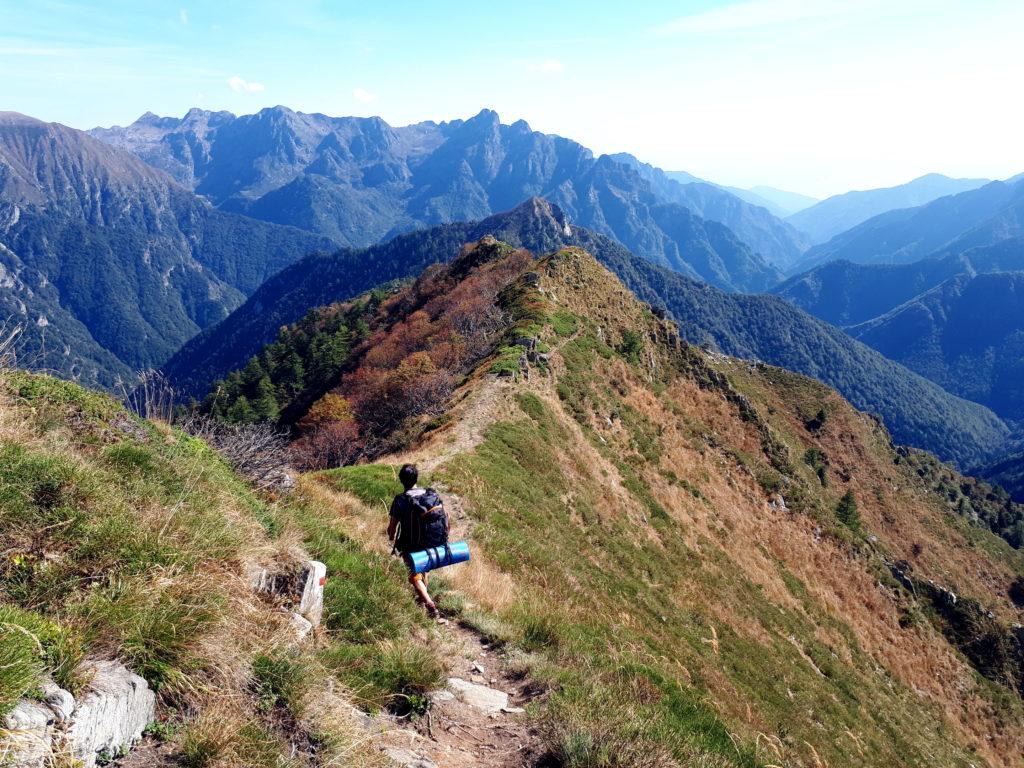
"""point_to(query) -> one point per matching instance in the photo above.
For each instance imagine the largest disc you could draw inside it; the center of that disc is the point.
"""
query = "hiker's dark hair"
(408, 475)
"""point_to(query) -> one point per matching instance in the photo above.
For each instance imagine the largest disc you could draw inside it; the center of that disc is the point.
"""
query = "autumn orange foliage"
(423, 341)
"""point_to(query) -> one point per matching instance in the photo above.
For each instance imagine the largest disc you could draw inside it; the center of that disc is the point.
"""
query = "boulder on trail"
(408, 758)
(487, 700)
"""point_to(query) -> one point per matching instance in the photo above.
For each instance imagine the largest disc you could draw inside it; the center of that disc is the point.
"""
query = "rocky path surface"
(477, 719)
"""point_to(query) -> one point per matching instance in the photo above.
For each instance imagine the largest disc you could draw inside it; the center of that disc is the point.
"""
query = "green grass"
(118, 538)
(507, 360)
(540, 516)
(104, 520)
(369, 611)
(373, 484)
(394, 675)
(279, 679)
(564, 323)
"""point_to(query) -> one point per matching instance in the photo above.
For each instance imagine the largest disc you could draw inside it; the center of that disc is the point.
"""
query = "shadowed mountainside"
(107, 264)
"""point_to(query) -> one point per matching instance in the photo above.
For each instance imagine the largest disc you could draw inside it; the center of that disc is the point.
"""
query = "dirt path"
(467, 726)
(479, 410)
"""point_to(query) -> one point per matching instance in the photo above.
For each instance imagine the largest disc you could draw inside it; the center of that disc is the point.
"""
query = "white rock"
(437, 697)
(301, 626)
(60, 702)
(480, 697)
(111, 714)
(408, 758)
(312, 604)
(29, 737)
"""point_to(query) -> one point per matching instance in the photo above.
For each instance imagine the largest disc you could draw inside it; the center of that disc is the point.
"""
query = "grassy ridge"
(129, 539)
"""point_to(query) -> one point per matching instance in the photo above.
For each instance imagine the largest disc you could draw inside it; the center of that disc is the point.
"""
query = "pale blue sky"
(817, 96)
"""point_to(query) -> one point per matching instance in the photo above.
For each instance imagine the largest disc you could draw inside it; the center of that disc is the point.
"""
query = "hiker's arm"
(393, 520)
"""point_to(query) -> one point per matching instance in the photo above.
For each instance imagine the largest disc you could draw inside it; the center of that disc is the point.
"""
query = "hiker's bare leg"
(419, 583)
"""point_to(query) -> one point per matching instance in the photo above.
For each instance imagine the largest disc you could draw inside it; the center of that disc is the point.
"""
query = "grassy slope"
(671, 613)
(125, 538)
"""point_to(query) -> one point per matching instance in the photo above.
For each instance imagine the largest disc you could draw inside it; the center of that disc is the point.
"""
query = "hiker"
(418, 521)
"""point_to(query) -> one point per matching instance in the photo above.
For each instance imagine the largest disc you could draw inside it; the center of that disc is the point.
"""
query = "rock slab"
(28, 737)
(487, 700)
(108, 718)
(311, 605)
(112, 713)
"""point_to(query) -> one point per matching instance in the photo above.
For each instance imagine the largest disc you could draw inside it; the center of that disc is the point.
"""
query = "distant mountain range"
(779, 202)
(966, 334)
(110, 265)
(762, 327)
(107, 264)
(949, 225)
(844, 293)
(826, 219)
(360, 181)
(752, 221)
(958, 319)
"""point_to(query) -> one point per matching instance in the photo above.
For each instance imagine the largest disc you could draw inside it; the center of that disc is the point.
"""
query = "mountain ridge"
(846, 293)
(360, 181)
(945, 226)
(966, 334)
(828, 218)
(761, 327)
(668, 495)
(110, 264)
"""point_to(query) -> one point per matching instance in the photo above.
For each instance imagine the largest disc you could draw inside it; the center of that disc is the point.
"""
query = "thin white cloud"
(363, 95)
(183, 15)
(548, 65)
(754, 14)
(36, 51)
(238, 85)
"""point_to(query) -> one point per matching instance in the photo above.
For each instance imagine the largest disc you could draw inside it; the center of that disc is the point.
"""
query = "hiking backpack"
(426, 519)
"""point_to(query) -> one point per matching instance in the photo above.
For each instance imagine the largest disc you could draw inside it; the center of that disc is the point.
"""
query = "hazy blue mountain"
(966, 335)
(844, 293)
(822, 221)
(779, 202)
(754, 224)
(787, 203)
(107, 264)
(360, 181)
(685, 178)
(762, 327)
(948, 225)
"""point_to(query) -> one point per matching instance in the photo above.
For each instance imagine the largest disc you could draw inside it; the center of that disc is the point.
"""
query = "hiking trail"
(477, 719)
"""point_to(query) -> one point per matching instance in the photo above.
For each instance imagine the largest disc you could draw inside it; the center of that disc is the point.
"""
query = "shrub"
(631, 346)
(816, 460)
(564, 323)
(332, 444)
(847, 513)
(1017, 591)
